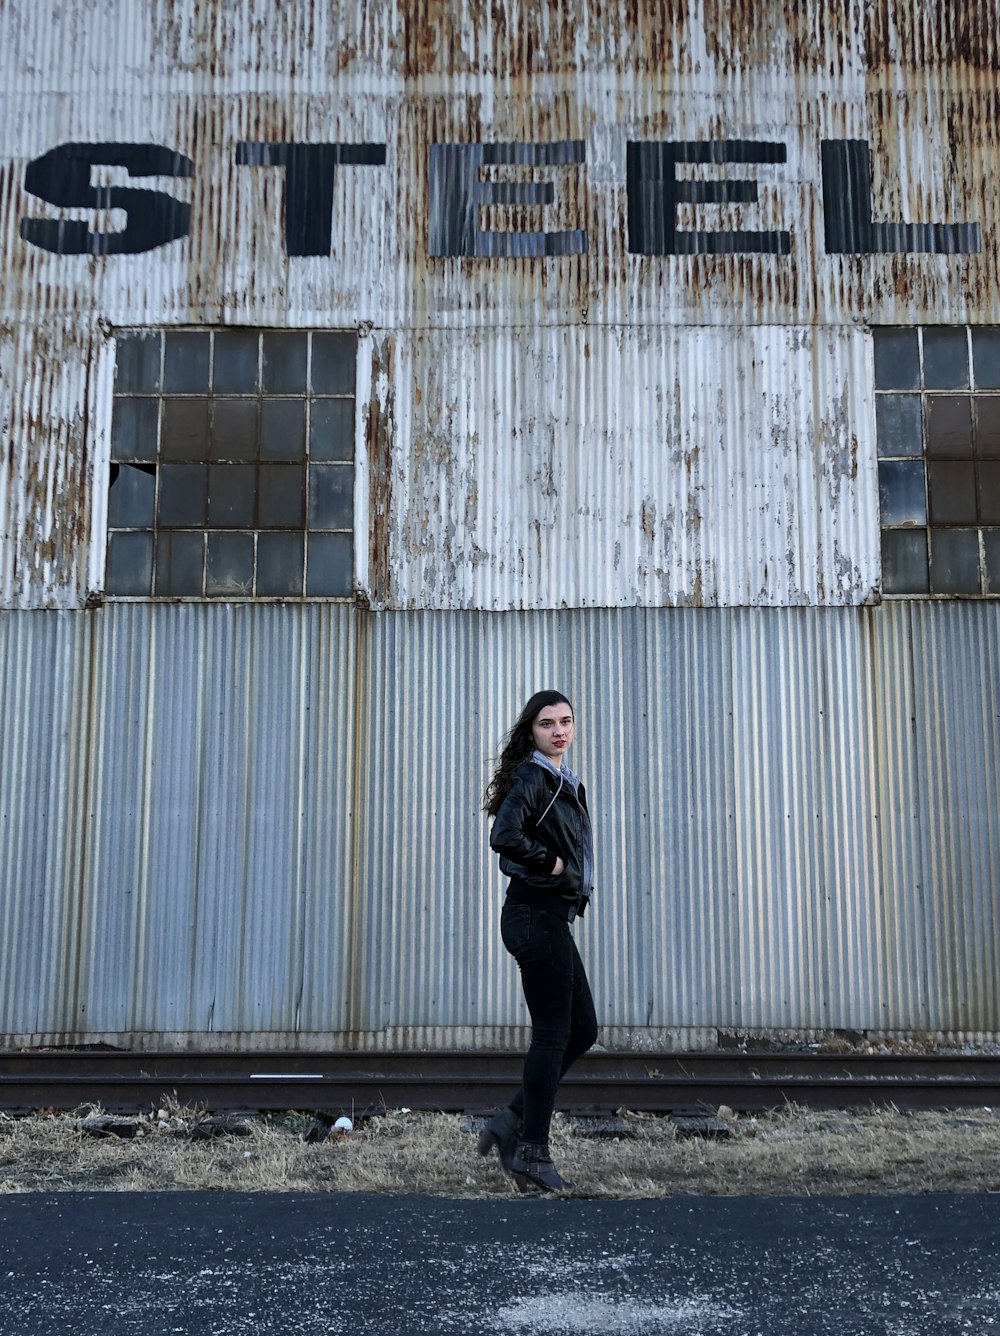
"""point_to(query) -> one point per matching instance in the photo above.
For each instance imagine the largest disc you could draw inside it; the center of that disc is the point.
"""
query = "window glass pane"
(333, 358)
(898, 424)
(279, 564)
(987, 407)
(281, 496)
(331, 429)
(232, 490)
(182, 496)
(230, 564)
(986, 358)
(130, 564)
(946, 359)
(331, 496)
(133, 428)
(285, 363)
(991, 554)
(331, 565)
(904, 561)
(951, 490)
(901, 492)
(989, 492)
(954, 561)
(137, 364)
(282, 429)
(185, 364)
(235, 362)
(234, 430)
(185, 429)
(132, 498)
(897, 360)
(179, 561)
(949, 425)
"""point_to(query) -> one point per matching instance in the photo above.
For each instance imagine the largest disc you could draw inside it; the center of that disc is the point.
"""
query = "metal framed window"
(232, 465)
(937, 417)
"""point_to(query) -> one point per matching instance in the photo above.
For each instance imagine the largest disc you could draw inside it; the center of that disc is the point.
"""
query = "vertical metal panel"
(264, 823)
(957, 706)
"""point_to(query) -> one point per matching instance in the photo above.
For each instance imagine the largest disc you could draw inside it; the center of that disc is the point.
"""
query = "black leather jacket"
(539, 821)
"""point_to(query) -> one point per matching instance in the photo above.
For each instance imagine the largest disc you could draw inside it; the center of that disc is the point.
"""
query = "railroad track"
(656, 1082)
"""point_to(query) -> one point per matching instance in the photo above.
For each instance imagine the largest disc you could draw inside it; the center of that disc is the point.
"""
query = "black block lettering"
(457, 192)
(654, 192)
(62, 177)
(310, 170)
(848, 226)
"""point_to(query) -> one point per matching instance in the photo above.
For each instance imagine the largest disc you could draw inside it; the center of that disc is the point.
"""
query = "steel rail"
(121, 1081)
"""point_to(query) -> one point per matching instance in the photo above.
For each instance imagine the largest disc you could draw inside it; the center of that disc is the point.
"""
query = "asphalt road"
(229, 1264)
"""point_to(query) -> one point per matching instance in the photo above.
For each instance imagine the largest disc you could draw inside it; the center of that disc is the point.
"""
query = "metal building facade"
(650, 477)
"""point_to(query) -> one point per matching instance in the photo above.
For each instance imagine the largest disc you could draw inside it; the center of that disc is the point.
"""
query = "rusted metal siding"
(263, 822)
(606, 467)
(915, 85)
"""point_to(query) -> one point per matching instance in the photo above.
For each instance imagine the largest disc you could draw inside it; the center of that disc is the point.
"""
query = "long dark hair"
(518, 746)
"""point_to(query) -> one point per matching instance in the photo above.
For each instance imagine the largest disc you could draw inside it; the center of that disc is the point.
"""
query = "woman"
(542, 833)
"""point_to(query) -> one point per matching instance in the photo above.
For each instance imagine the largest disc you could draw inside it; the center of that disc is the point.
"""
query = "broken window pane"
(954, 561)
(133, 428)
(235, 362)
(951, 489)
(897, 360)
(949, 425)
(130, 564)
(898, 425)
(179, 561)
(132, 498)
(279, 564)
(331, 429)
(901, 492)
(331, 565)
(230, 565)
(185, 363)
(986, 358)
(946, 358)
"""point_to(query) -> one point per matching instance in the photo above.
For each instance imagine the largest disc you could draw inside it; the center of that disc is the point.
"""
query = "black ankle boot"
(532, 1167)
(501, 1131)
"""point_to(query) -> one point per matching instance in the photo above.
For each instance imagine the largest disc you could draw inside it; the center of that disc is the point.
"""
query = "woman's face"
(552, 729)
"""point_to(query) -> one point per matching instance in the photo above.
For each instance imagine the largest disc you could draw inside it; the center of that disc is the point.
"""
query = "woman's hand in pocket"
(559, 868)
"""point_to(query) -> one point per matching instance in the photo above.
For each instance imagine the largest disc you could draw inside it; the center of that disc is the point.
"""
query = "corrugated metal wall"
(650, 478)
(262, 823)
(607, 395)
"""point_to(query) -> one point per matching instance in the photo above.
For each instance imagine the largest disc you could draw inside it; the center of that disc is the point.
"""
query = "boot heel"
(532, 1169)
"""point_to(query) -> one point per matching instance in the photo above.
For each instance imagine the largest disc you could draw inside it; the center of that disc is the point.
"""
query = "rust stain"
(380, 429)
(921, 34)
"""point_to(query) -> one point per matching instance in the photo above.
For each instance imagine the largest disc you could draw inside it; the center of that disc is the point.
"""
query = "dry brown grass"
(793, 1151)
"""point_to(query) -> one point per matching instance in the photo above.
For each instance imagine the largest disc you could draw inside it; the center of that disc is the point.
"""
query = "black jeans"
(563, 1020)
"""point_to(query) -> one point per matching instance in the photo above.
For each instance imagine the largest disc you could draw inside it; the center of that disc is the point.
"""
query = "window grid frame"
(259, 395)
(923, 393)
